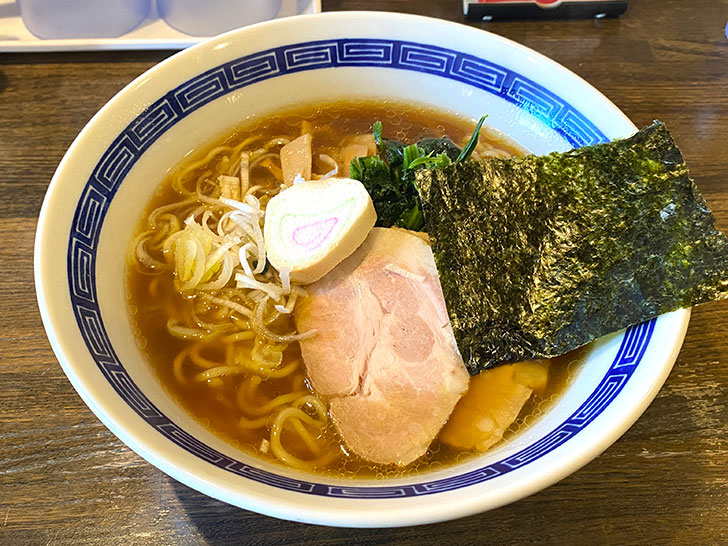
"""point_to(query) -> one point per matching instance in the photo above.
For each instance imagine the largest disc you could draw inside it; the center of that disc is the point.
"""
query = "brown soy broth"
(153, 298)
(561, 373)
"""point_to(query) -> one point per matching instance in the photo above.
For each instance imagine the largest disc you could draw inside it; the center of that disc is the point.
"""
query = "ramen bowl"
(117, 162)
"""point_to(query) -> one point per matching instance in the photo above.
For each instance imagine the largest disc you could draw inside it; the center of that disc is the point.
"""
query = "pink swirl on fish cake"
(312, 235)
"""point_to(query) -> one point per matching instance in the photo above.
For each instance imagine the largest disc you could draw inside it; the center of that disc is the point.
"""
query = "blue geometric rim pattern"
(129, 146)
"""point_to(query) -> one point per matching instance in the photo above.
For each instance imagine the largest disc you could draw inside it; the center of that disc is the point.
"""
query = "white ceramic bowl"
(118, 160)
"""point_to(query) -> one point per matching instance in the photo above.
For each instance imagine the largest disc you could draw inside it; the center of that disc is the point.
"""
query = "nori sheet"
(540, 255)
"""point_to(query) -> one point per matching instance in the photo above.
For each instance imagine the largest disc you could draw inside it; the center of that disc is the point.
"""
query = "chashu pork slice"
(384, 355)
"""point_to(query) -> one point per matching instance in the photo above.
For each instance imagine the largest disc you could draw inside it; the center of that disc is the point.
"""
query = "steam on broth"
(216, 319)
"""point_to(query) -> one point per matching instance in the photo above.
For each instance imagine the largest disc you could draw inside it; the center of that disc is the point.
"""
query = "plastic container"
(211, 17)
(63, 19)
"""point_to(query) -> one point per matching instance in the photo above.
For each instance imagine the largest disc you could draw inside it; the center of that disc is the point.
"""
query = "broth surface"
(153, 298)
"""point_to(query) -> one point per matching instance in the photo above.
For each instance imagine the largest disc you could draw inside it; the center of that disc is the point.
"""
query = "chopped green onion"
(356, 169)
(412, 219)
(377, 130)
(472, 143)
(409, 154)
(440, 160)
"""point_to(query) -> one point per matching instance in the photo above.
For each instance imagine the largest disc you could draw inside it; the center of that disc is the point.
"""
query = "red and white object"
(542, 9)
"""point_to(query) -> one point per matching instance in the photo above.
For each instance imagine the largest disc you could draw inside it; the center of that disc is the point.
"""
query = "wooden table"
(65, 479)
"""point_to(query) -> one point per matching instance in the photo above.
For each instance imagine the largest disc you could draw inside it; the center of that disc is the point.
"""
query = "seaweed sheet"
(540, 255)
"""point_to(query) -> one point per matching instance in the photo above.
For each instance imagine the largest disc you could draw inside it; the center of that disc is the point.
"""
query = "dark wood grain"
(65, 479)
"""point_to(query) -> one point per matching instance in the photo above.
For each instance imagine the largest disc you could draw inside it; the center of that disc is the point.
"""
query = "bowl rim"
(293, 510)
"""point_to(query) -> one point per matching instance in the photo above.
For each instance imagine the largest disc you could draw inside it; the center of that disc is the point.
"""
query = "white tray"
(152, 33)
